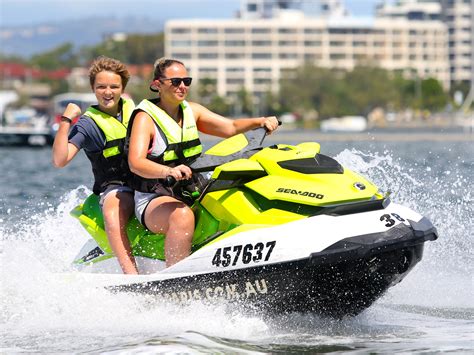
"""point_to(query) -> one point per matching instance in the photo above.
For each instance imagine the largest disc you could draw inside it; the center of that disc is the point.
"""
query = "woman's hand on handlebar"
(180, 172)
(270, 123)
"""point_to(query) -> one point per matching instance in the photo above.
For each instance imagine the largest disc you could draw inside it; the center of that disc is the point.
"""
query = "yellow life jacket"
(110, 165)
(183, 143)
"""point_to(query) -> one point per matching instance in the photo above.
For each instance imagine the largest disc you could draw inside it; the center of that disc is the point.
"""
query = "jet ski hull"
(342, 280)
(278, 229)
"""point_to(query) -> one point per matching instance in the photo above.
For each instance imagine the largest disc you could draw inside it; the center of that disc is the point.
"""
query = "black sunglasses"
(177, 81)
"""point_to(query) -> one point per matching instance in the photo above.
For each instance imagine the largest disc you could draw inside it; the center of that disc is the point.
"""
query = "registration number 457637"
(246, 254)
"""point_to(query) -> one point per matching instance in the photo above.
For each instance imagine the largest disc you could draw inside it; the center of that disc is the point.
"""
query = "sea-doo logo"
(300, 193)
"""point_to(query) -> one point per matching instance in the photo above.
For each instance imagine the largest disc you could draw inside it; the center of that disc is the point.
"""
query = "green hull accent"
(143, 242)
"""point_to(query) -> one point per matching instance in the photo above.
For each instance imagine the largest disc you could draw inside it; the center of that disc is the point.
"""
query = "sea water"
(45, 308)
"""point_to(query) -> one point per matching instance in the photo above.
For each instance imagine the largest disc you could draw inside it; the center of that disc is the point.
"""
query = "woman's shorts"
(112, 188)
(142, 199)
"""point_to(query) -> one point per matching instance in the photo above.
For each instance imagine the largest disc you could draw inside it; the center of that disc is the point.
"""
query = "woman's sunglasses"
(177, 81)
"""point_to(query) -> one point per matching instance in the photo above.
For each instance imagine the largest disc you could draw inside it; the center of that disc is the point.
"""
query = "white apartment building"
(253, 51)
(458, 15)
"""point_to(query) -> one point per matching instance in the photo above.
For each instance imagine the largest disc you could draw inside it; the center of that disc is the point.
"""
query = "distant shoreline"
(369, 136)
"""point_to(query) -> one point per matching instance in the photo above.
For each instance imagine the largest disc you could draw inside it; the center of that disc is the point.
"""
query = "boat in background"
(83, 100)
(344, 124)
(38, 136)
(23, 126)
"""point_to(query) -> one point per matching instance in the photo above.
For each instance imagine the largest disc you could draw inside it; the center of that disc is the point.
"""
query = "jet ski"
(279, 228)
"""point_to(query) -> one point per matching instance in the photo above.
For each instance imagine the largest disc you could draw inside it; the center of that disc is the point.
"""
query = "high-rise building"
(415, 10)
(253, 9)
(458, 17)
(271, 36)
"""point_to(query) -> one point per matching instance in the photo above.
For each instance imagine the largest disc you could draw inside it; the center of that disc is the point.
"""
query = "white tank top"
(158, 145)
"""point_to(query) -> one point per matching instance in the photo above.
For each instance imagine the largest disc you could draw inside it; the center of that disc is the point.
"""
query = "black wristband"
(66, 119)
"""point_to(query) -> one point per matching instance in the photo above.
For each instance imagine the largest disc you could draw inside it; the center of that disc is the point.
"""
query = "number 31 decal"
(389, 221)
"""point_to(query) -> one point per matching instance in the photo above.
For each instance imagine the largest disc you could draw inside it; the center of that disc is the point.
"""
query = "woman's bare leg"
(175, 219)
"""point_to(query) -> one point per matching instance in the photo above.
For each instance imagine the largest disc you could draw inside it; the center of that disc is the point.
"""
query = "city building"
(458, 17)
(272, 36)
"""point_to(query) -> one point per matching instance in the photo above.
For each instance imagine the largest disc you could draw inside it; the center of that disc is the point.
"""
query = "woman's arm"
(140, 138)
(211, 123)
(63, 151)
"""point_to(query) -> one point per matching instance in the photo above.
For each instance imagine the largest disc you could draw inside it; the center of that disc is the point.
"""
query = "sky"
(28, 12)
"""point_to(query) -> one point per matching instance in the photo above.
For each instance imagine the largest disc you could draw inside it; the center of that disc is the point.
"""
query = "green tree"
(144, 49)
(133, 49)
(368, 88)
(108, 48)
(62, 56)
(139, 89)
(434, 97)
(206, 90)
(243, 103)
(219, 105)
(406, 92)
(270, 104)
(309, 88)
(11, 58)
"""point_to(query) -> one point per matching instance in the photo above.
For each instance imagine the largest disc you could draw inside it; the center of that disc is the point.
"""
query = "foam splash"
(42, 294)
(438, 190)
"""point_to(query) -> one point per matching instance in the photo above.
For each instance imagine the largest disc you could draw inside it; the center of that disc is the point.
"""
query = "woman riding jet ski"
(281, 228)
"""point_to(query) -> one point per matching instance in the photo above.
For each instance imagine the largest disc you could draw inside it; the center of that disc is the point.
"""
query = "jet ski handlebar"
(209, 162)
(169, 181)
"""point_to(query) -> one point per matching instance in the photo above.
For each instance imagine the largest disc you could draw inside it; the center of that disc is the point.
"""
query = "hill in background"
(26, 41)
